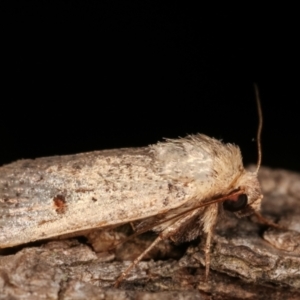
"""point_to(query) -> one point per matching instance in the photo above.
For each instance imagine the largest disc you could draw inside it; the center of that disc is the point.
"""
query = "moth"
(178, 188)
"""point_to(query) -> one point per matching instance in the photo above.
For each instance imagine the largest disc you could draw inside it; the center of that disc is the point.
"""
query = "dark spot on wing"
(60, 204)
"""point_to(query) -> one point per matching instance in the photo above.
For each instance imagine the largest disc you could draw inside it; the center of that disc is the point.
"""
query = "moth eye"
(236, 205)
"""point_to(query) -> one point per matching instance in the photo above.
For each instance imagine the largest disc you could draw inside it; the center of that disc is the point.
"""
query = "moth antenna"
(214, 201)
(260, 124)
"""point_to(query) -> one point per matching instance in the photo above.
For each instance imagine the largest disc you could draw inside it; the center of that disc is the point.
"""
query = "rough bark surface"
(248, 261)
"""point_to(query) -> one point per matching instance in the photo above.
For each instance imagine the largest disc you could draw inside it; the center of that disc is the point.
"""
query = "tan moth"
(178, 188)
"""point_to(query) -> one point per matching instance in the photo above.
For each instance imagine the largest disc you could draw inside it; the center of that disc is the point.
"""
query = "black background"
(89, 75)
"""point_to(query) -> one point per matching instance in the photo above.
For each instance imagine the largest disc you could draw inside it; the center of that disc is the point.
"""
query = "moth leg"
(132, 226)
(136, 261)
(209, 220)
(207, 253)
(267, 222)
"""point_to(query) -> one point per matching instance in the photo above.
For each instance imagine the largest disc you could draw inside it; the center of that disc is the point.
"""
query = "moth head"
(249, 199)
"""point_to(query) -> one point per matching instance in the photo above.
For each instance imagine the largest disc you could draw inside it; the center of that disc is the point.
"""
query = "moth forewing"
(54, 196)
